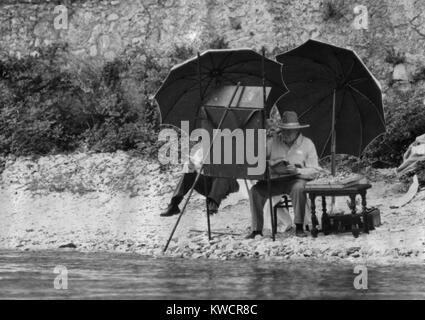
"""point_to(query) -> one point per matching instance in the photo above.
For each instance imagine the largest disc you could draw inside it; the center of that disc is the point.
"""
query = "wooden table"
(332, 190)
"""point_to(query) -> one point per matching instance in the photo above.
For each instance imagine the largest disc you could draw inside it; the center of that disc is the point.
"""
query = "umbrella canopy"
(189, 83)
(332, 90)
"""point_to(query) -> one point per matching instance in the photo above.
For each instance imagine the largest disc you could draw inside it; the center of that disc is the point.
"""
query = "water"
(126, 276)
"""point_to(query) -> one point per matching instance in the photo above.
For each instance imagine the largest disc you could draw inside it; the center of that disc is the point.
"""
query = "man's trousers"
(213, 188)
(259, 195)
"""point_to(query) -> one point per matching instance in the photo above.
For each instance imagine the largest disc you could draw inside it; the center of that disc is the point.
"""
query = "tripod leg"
(273, 222)
(208, 210)
(183, 210)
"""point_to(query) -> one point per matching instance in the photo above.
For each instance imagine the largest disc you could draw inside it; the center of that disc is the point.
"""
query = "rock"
(93, 51)
(193, 246)
(112, 17)
(68, 245)
(335, 253)
(152, 167)
(400, 73)
(307, 253)
(35, 54)
(352, 250)
(405, 252)
(137, 40)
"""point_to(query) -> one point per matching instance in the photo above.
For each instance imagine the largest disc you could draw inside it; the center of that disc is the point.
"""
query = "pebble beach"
(112, 202)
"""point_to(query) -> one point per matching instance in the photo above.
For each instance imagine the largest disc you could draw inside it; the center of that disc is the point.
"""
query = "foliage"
(393, 57)
(46, 108)
(181, 53)
(405, 121)
(218, 43)
(419, 76)
(34, 98)
(332, 10)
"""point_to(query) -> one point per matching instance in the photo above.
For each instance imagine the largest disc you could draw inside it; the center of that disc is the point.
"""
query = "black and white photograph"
(211, 154)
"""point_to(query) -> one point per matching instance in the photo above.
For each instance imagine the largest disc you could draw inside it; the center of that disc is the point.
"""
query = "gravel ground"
(111, 202)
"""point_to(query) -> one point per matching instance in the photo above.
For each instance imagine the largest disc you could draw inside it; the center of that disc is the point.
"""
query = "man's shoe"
(171, 211)
(300, 233)
(212, 207)
(253, 234)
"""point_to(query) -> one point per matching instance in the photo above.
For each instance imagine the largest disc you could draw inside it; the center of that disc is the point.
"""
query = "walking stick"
(269, 184)
(202, 166)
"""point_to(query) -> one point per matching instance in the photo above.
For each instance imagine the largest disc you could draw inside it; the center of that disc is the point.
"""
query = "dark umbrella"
(189, 83)
(331, 89)
(187, 86)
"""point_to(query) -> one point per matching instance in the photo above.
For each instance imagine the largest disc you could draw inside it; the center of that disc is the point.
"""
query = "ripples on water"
(128, 276)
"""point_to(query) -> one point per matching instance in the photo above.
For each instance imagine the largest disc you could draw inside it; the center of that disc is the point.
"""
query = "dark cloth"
(217, 189)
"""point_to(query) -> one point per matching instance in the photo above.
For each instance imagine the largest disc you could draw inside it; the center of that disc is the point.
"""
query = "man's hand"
(191, 166)
(308, 173)
(280, 161)
(292, 167)
(283, 168)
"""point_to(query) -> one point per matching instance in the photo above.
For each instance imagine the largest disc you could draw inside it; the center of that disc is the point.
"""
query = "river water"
(31, 275)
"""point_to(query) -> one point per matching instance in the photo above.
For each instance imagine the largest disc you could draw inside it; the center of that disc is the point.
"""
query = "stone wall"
(97, 31)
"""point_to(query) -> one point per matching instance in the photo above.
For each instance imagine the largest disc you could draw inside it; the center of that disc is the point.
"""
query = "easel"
(205, 156)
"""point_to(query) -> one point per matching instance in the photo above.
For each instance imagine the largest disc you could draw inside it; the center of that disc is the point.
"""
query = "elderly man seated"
(293, 161)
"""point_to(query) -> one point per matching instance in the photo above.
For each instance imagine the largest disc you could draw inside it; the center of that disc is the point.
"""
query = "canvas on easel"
(239, 150)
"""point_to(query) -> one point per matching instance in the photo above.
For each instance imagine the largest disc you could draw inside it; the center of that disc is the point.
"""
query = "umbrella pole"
(205, 181)
(333, 146)
(333, 138)
(269, 184)
(201, 169)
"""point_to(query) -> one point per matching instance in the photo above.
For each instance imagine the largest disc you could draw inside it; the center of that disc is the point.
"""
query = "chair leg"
(285, 199)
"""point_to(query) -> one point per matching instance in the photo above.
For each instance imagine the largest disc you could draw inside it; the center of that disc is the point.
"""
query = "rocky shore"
(111, 202)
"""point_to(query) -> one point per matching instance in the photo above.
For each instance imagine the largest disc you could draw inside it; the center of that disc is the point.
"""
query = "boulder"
(400, 73)
(68, 246)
